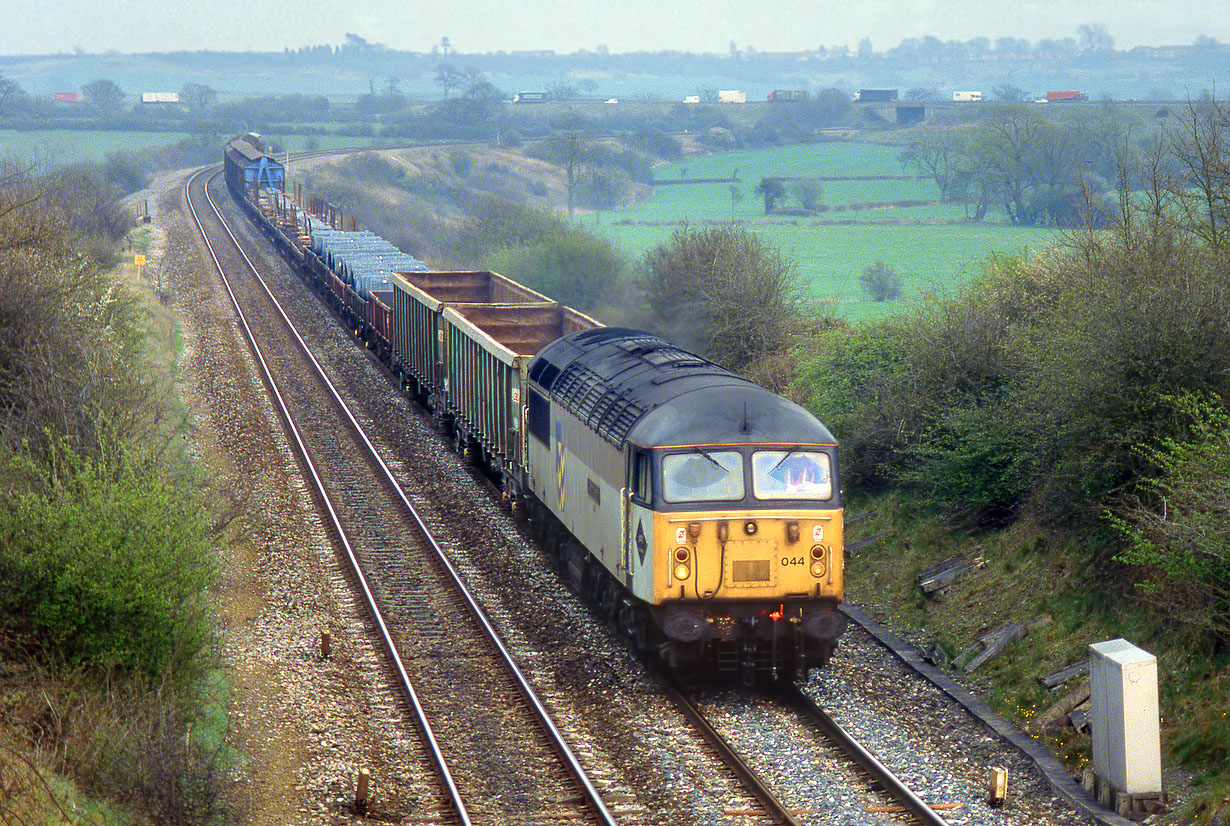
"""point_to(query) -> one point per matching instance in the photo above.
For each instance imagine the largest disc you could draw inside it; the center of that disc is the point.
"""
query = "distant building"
(732, 96)
(875, 96)
(788, 96)
(160, 97)
(66, 97)
(966, 97)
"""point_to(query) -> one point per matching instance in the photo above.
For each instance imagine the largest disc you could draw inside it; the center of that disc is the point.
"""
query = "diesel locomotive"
(700, 513)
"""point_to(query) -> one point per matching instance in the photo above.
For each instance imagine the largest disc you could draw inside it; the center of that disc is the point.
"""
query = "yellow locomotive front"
(748, 555)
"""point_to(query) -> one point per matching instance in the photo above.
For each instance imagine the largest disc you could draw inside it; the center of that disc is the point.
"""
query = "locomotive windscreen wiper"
(715, 462)
(789, 453)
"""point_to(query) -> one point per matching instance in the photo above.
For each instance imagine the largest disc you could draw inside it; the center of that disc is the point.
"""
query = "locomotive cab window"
(538, 416)
(791, 474)
(703, 476)
(641, 482)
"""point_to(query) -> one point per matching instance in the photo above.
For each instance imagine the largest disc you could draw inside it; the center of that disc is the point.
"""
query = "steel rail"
(420, 713)
(775, 808)
(561, 746)
(892, 784)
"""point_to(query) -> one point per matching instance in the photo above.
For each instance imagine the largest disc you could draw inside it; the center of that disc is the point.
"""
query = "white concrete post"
(1124, 719)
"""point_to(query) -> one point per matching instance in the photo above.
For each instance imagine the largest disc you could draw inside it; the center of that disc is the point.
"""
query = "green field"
(51, 148)
(931, 246)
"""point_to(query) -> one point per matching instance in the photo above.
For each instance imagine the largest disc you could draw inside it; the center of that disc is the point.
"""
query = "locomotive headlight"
(681, 554)
(749, 527)
(817, 560)
(681, 572)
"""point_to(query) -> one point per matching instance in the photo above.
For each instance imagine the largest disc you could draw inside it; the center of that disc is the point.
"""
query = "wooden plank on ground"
(1058, 678)
(1056, 715)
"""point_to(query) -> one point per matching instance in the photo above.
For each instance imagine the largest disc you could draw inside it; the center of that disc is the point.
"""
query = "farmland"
(931, 245)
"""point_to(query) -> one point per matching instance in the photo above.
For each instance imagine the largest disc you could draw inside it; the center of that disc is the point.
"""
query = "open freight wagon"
(464, 341)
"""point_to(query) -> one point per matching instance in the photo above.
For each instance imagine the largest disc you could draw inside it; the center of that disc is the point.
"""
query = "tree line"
(1036, 169)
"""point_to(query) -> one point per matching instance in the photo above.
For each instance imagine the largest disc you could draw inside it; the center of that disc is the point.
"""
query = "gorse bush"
(105, 564)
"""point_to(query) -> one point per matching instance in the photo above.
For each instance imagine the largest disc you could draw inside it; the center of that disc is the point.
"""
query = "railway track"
(496, 753)
(775, 796)
(412, 602)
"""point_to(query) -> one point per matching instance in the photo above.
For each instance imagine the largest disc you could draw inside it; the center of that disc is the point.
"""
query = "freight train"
(700, 513)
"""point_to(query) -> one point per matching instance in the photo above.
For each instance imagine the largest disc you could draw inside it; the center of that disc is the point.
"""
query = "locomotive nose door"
(638, 524)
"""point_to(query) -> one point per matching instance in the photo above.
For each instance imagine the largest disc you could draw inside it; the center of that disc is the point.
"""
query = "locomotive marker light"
(749, 527)
(681, 556)
(817, 556)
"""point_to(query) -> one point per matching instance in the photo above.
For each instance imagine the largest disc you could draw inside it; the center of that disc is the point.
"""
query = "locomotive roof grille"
(626, 384)
(601, 376)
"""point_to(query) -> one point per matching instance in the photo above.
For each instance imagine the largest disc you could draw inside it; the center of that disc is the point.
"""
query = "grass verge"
(1027, 575)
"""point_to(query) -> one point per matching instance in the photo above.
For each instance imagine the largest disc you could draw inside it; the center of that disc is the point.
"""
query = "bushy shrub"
(71, 348)
(373, 167)
(657, 142)
(574, 268)
(535, 246)
(723, 292)
(460, 162)
(1175, 523)
(718, 137)
(105, 565)
(1030, 389)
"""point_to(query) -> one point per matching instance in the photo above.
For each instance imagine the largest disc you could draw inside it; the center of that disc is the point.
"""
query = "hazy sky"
(621, 25)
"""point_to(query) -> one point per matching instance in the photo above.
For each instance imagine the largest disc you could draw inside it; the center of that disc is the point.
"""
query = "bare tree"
(8, 89)
(197, 97)
(1094, 37)
(1201, 190)
(772, 190)
(105, 95)
(449, 77)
